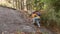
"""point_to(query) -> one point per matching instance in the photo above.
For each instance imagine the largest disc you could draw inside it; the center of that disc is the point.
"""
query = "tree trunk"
(25, 8)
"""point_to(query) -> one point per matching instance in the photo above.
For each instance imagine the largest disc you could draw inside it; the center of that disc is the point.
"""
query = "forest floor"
(14, 22)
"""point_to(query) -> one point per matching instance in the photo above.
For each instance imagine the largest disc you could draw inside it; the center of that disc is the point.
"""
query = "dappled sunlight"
(5, 3)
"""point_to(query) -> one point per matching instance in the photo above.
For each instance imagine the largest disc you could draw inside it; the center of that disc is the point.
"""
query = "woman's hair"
(36, 11)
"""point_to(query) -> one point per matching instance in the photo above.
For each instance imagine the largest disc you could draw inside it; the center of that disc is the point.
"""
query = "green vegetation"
(51, 15)
(52, 12)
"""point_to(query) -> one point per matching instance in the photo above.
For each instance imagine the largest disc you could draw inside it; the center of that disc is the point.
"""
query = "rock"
(11, 20)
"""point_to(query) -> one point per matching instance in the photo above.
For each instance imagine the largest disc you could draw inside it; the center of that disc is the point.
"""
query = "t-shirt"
(35, 15)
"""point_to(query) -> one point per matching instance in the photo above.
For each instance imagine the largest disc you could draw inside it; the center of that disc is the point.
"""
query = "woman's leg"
(33, 20)
(37, 21)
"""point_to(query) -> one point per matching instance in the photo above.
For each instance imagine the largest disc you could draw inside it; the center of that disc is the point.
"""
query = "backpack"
(38, 13)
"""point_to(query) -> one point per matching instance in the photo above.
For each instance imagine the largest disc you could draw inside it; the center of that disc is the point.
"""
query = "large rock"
(12, 20)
